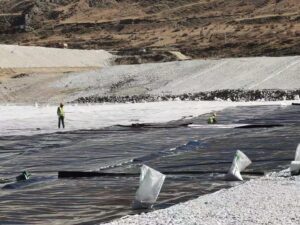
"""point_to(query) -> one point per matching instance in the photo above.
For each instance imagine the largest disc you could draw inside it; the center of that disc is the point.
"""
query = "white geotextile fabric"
(22, 119)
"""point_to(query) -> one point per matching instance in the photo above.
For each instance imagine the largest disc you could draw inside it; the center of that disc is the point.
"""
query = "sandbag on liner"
(297, 154)
(295, 165)
(151, 182)
(240, 163)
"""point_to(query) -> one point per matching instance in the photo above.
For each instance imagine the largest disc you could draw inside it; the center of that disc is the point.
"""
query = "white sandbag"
(295, 165)
(240, 163)
(295, 168)
(234, 173)
(297, 155)
(151, 182)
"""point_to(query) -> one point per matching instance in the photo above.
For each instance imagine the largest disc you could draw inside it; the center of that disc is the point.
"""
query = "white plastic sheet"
(151, 182)
(240, 163)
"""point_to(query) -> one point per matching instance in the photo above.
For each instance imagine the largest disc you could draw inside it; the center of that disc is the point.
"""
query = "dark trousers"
(61, 119)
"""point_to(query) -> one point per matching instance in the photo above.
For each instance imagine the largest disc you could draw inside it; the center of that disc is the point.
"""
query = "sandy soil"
(41, 66)
(13, 56)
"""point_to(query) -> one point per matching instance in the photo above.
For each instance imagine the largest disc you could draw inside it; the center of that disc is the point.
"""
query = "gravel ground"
(219, 95)
(269, 200)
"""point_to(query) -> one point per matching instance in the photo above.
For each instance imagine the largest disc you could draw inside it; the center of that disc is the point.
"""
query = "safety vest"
(60, 111)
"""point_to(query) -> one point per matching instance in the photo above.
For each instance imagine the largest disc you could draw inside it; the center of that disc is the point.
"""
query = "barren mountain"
(153, 28)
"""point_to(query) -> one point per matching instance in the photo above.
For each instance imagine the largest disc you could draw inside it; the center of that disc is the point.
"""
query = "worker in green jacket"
(23, 176)
(212, 119)
(61, 115)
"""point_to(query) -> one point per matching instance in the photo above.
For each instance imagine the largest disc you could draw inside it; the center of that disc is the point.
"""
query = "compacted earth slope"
(196, 28)
(232, 78)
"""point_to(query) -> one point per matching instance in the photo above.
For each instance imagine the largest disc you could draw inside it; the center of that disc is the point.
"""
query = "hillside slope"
(197, 28)
(159, 79)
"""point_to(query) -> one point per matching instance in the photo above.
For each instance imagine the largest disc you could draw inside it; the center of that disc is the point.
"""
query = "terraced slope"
(152, 28)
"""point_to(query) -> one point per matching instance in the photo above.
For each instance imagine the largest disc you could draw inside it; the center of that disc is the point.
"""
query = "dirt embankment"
(25, 72)
(18, 60)
(235, 79)
(196, 28)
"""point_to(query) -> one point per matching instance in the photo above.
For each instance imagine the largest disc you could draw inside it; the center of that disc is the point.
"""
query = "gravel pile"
(227, 95)
(269, 200)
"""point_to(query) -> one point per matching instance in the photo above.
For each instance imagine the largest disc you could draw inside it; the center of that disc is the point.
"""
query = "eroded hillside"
(197, 28)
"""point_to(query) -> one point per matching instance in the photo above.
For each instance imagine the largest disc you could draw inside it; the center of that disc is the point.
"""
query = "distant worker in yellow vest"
(212, 119)
(61, 115)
